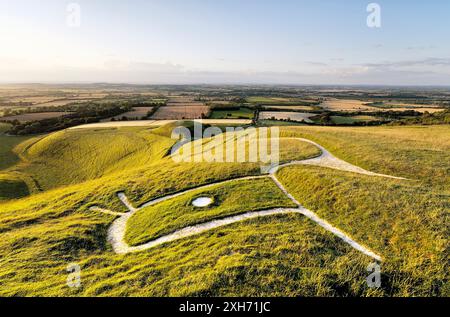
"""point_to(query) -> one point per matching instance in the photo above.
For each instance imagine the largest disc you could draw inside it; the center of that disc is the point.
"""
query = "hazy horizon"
(228, 42)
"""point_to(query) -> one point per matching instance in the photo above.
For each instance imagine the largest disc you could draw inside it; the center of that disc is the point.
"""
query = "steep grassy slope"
(11, 184)
(70, 157)
(281, 256)
(413, 152)
(405, 221)
(7, 143)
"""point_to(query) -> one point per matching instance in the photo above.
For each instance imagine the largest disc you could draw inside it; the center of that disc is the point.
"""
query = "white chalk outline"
(116, 232)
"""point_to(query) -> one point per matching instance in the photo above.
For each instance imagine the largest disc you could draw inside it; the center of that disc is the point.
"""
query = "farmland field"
(359, 105)
(421, 109)
(291, 116)
(353, 119)
(181, 112)
(35, 116)
(225, 157)
(241, 113)
(76, 169)
(291, 108)
(278, 100)
(135, 114)
(346, 105)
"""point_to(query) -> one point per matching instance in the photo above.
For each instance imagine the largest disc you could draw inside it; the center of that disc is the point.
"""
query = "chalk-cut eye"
(202, 202)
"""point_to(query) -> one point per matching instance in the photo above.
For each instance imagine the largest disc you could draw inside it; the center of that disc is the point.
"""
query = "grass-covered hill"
(49, 224)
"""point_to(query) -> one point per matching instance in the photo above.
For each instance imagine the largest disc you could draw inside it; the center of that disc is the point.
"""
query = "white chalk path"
(116, 232)
(328, 160)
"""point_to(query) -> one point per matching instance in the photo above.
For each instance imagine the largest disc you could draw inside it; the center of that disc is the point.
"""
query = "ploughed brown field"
(181, 112)
(137, 113)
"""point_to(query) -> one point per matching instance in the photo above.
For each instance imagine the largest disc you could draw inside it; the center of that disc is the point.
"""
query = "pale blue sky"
(226, 41)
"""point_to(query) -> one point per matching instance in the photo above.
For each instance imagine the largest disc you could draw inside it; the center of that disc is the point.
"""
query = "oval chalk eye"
(202, 202)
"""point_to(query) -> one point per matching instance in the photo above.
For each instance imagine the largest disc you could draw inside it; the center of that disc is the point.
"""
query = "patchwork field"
(421, 109)
(292, 108)
(126, 174)
(241, 113)
(284, 101)
(137, 114)
(290, 116)
(346, 105)
(181, 112)
(359, 105)
(35, 116)
(353, 119)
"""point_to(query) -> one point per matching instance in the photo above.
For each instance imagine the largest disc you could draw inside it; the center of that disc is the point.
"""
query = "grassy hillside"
(7, 143)
(288, 255)
(421, 152)
(12, 185)
(169, 216)
(406, 221)
(70, 157)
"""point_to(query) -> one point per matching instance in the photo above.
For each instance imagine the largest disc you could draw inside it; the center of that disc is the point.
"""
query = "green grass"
(177, 213)
(405, 221)
(12, 187)
(271, 100)
(70, 156)
(225, 145)
(343, 120)
(295, 150)
(351, 120)
(7, 144)
(271, 123)
(241, 113)
(413, 152)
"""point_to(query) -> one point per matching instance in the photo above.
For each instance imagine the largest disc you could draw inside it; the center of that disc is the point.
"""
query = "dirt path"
(116, 232)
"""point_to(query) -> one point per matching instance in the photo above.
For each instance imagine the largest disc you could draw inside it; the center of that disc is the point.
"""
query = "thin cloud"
(423, 62)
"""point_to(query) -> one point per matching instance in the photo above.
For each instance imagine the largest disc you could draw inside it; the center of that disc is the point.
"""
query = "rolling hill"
(61, 176)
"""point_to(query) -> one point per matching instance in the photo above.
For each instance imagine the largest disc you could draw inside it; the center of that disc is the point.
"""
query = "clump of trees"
(87, 113)
(79, 113)
(426, 118)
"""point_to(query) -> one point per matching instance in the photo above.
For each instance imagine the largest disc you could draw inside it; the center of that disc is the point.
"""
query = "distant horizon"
(224, 84)
(295, 42)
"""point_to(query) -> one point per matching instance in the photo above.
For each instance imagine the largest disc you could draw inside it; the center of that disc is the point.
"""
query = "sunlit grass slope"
(70, 157)
(419, 152)
(404, 221)
(12, 187)
(11, 184)
(228, 199)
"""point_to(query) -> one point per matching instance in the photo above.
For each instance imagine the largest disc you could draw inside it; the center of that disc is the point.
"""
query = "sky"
(225, 42)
